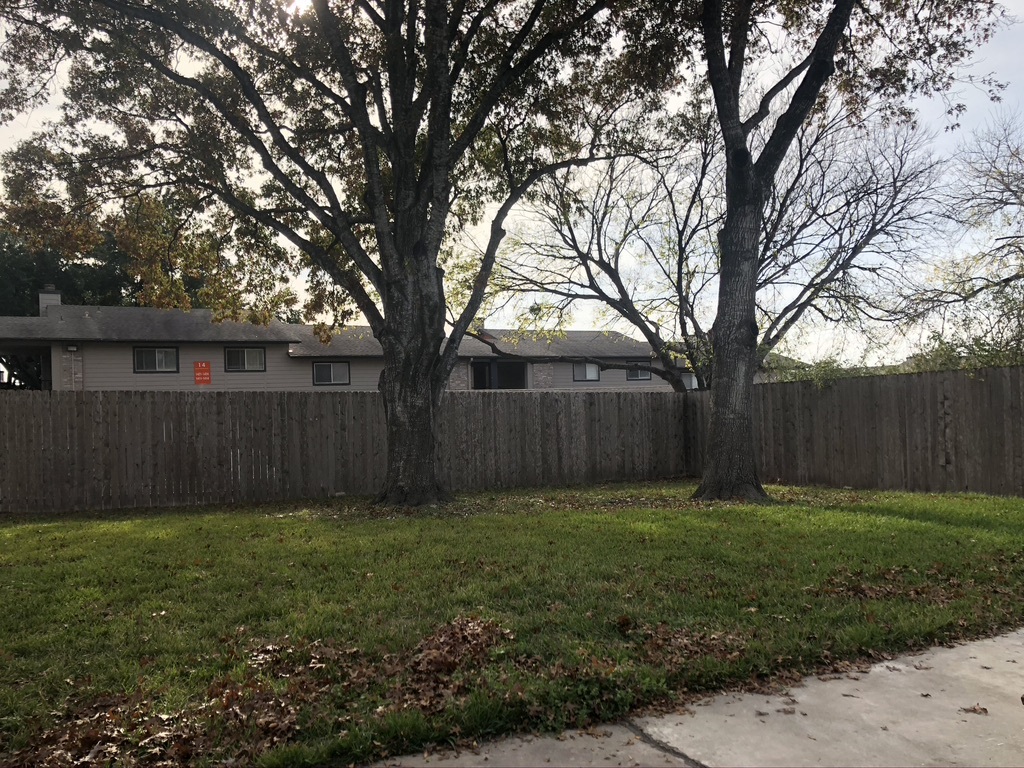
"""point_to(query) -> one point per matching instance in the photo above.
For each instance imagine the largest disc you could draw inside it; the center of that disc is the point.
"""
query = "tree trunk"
(410, 409)
(412, 384)
(730, 470)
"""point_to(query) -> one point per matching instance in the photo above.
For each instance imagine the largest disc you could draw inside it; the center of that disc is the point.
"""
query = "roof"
(64, 322)
(348, 341)
(358, 341)
(601, 344)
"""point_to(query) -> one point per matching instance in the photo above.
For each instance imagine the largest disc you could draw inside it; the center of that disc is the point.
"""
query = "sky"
(1001, 56)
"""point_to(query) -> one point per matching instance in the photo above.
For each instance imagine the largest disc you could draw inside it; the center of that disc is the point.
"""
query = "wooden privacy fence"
(105, 450)
(955, 431)
(945, 431)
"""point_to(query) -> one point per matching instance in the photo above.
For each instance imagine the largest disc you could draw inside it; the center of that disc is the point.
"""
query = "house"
(142, 348)
(101, 348)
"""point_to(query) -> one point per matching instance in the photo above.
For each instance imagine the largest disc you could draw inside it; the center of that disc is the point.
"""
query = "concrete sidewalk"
(947, 706)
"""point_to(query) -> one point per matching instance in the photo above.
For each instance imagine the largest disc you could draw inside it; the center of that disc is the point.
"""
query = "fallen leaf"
(977, 709)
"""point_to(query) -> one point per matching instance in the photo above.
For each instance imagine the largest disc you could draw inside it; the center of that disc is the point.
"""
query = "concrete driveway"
(945, 707)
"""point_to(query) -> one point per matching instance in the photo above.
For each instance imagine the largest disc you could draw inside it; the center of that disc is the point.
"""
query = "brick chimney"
(48, 297)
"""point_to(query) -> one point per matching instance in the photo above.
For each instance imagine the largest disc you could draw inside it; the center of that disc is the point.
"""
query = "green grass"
(294, 634)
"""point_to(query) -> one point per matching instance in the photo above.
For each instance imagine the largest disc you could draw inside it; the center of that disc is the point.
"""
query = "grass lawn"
(336, 633)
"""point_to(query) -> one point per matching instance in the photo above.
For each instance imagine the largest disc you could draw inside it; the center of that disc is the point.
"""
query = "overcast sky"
(1003, 57)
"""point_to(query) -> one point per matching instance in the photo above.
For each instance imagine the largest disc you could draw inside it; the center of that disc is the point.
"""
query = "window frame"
(348, 367)
(135, 359)
(243, 349)
(638, 374)
(586, 370)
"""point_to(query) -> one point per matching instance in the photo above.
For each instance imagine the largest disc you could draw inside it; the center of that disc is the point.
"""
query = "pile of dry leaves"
(244, 715)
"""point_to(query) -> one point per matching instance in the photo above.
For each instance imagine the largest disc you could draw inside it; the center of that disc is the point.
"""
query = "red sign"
(202, 371)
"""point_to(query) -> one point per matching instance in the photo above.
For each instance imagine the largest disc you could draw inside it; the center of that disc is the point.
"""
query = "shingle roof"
(602, 344)
(77, 323)
(64, 322)
(358, 341)
(350, 341)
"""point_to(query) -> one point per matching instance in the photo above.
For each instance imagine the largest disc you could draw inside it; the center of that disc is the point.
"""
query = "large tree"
(636, 235)
(351, 129)
(887, 50)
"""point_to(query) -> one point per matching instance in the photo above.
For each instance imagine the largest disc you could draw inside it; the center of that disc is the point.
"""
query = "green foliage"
(146, 253)
(101, 280)
(305, 634)
(987, 332)
(822, 372)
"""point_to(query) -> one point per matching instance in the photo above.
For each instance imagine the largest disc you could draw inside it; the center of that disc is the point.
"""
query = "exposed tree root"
(749, 491)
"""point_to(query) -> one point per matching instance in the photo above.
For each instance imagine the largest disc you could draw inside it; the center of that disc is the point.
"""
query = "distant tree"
(986, 203)
(986, 332)
(143, 253)
(102, 282)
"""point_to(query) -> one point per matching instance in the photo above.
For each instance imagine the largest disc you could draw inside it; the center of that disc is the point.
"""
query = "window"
(494, 374)
(245, 359)
(586, 372)
(330, 374)
(638, 375)
(156, 359)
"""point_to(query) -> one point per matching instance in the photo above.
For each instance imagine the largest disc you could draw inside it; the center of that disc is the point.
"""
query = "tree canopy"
(141, 253)
(637, 235)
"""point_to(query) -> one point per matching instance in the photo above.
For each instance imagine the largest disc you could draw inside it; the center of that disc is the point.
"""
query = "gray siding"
(560, 377)
(364, 373)
(110, 367)
(56, 372)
